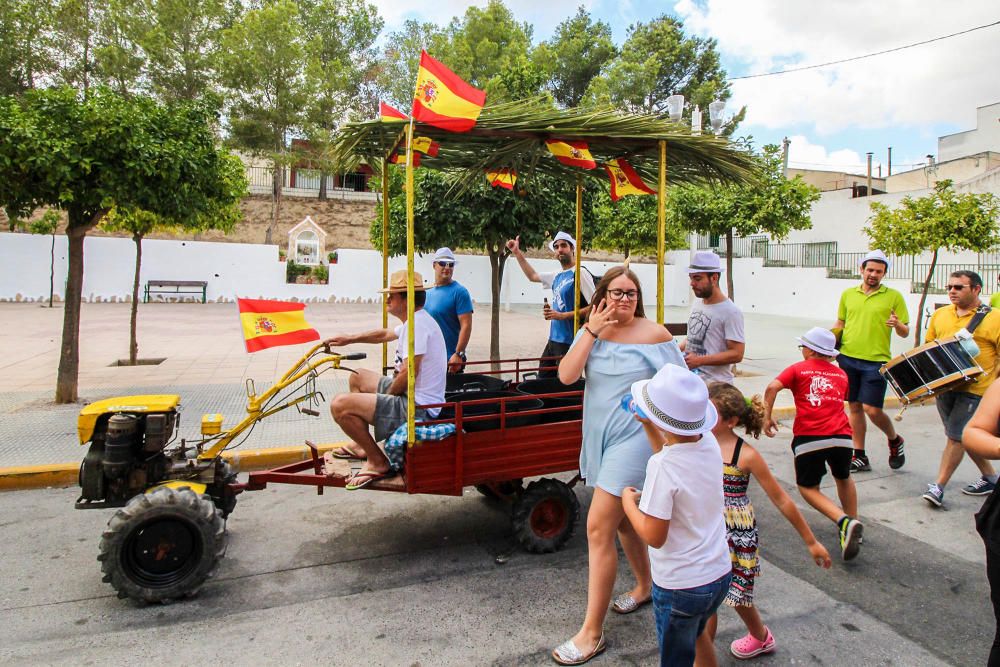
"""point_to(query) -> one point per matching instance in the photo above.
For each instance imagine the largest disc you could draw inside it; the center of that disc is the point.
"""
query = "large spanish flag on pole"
(273, 323)
(443, 100)
(625, 180)
(572, 153)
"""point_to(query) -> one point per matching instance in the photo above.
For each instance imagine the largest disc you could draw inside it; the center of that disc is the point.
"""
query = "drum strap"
(981, 313)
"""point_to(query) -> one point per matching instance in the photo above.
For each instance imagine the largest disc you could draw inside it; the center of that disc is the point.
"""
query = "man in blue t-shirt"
(450, 305)
(560, 314)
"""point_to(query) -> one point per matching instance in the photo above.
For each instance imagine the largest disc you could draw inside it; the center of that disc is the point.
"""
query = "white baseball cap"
(562, 236)
(676, 400)
(876, 256)
(445, 254)
(705, 261)
(820, 340)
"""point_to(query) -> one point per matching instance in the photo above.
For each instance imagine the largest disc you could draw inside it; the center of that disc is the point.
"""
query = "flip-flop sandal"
(345, 453)
(363, 478)
(568, 654)
(626, 604)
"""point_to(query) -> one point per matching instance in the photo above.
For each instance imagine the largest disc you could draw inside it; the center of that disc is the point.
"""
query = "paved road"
(386, 579)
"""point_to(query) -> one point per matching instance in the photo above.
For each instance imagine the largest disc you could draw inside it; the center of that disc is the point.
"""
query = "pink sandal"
(750, 647)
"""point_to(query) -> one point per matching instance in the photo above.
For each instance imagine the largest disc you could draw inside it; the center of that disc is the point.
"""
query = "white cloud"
(941, 82)
(806, 155)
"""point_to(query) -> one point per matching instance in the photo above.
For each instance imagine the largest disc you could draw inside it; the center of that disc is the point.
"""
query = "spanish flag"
(443, 100)
(391, 115)
(400, 159)
(426, 145)
(503, 178)
(625, 180)
(572, 153)
(273, 323)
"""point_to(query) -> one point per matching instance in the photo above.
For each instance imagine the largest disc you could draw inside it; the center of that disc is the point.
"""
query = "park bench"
(176, 287)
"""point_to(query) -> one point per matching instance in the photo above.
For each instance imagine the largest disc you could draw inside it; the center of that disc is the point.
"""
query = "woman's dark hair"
(730, 402)
(601, 291)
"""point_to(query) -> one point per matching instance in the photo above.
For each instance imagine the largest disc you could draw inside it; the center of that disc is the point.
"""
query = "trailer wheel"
(162, 545)
(545, 516)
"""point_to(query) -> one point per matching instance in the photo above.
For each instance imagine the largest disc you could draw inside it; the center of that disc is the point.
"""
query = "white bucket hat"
(676, 400)
(444, 254)
(705, 261)
(820, 340)
(562, 236)
(876, 256)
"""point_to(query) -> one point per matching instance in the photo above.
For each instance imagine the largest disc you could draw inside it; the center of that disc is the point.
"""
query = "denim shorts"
(864, 383)
(956, 409)
(390, 410)
(681, 615)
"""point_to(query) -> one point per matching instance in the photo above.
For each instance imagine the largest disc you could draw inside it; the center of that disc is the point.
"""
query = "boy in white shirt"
(680, 515)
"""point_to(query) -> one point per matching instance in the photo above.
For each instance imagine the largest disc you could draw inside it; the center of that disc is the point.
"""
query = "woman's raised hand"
(600, 317)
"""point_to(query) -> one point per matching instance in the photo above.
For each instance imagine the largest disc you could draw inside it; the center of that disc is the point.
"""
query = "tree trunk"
(69, 353)
(729, 264)
(133, 341)
(322, 186)
(277, 184)
(496, 277)
(52, 268)
(923, 298)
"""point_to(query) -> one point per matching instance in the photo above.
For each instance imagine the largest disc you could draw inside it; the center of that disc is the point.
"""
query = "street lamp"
(715, 110)
(675, 107)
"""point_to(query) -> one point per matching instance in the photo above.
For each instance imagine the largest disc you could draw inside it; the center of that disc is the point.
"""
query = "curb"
(58, 475)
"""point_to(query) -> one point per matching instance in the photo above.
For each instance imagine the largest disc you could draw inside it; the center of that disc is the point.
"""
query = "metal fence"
(352, 186)
(813, 255)
(942, 272)
(848, 265)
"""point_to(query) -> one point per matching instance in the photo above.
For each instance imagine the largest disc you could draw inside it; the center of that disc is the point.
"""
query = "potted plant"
(332, 257)
(281, 255)
(322, 274)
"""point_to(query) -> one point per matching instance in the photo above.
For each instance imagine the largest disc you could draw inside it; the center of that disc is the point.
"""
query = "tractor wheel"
(162, 545)
(545, 515)
(224, 499)
(507, 490)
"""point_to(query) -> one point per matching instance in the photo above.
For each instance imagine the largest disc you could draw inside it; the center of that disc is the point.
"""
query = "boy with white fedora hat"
(822, 434)
(680, 514)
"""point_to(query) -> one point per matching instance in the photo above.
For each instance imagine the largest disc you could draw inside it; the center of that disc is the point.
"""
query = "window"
(307, 248)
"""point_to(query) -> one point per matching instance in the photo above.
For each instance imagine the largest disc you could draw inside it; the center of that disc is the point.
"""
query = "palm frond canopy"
(512, 135)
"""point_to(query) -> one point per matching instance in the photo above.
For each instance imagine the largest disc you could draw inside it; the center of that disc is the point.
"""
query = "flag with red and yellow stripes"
(443, 100)
(272, 323)
(390, 114)
(426, 145)
(502, 178)
(572, 153)
(400, 159)
(625, 180)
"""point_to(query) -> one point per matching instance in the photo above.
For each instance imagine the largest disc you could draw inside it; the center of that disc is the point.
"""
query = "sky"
(832, 115)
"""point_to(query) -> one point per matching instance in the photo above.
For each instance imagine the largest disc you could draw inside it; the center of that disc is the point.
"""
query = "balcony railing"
(306, 184)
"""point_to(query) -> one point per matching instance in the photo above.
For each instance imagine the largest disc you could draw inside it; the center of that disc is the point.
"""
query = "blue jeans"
(681, 616)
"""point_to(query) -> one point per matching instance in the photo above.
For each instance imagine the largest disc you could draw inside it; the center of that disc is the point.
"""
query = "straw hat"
(397, 282)
(676, 400)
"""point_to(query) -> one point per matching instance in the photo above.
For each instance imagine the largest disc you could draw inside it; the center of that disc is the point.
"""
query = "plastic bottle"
(628, 405)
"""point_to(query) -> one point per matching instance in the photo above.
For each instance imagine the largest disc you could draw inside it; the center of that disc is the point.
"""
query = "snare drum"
(930, 369)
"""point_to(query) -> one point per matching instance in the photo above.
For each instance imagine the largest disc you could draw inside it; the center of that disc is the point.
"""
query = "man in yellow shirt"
(957, 406)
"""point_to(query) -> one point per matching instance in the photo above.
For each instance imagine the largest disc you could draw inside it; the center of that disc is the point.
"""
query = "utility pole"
(784, 156)
(869, 174)
(890, 161)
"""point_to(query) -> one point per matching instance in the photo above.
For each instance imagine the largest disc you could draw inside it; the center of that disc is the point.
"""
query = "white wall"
(986, 136)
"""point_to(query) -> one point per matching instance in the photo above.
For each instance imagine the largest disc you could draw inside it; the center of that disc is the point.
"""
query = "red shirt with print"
(819, 388)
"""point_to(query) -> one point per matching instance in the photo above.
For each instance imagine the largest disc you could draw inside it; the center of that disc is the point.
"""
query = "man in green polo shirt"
(867, 316)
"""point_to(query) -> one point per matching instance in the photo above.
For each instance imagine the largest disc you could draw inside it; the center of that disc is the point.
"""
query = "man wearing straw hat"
(380, 401)
(715, 340)
(866, 317)
(561, 282)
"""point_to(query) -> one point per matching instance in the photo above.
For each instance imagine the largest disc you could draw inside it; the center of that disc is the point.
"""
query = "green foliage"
(26, 31)
(483, 43)
(47, 224)
(942, 219)
(396, 73)
(293, 270)
(321, 273)
(630, 225)
(578, 52)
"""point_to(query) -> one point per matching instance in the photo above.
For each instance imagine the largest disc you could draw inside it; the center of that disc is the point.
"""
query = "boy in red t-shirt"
(821, 432)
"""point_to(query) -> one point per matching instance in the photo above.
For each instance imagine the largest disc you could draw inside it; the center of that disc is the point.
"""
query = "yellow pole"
(661, 229)
(411, 409)
(579, 240)
(385, 253)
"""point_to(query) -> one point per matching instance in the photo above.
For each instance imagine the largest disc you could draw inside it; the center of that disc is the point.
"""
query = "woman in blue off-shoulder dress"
(617, 346)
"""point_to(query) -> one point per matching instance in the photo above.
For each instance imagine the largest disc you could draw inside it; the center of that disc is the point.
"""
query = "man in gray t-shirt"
(715, 340)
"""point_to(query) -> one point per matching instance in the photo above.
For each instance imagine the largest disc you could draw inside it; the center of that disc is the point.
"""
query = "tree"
(118, 58)
(577, 53)
(25, 44)
(483, 43)
(396, 72)
(262, 64)
(47, 224)
(630, 225)
(942, 219)
(85, 154)
(482, 218)
(773, 205)
(74, 41)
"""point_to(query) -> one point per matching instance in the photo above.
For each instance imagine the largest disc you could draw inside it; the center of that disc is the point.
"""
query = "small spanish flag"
(391, 115)
(503, 178)
(443, 100)
(572, 153)
(625, 180)
(273, 323)
(426, 145)
(400, 159)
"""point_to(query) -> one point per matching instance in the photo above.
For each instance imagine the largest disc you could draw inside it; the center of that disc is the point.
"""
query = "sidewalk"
(206, 364)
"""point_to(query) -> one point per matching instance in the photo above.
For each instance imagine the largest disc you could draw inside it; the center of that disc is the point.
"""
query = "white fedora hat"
(562, 236)
(820, 340)
(876, 256)
(444, 254)
(705, 261)
(676, 400)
